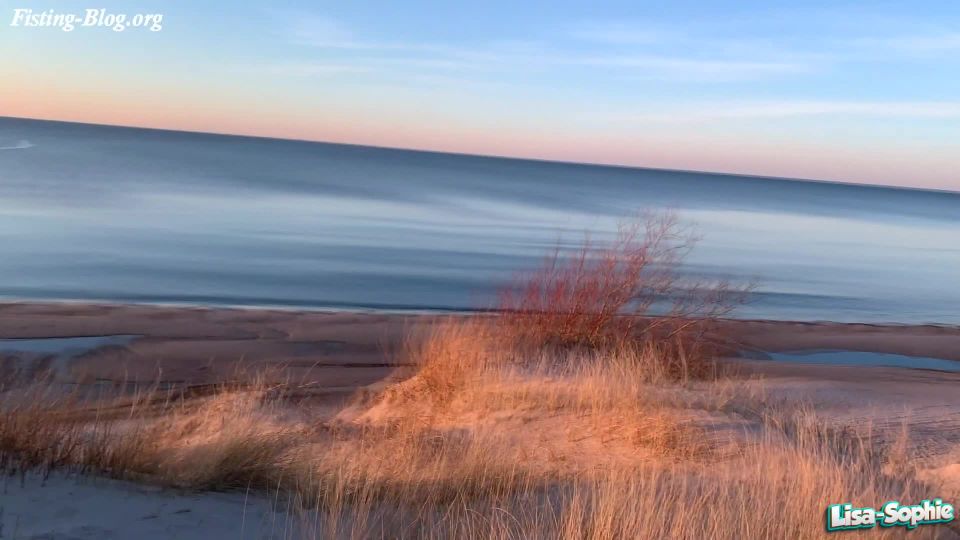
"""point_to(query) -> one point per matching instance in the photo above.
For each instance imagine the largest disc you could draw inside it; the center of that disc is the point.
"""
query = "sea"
(116, 214)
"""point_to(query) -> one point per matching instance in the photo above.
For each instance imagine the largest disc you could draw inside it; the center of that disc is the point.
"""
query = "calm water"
(63, 346)
(861, 358)
(90, 212)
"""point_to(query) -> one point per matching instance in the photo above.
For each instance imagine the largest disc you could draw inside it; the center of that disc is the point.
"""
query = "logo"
(845, 517)
(89, 18)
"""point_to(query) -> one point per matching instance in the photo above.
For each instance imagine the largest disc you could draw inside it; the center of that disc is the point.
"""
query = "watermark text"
(845, 517)
(89, 18)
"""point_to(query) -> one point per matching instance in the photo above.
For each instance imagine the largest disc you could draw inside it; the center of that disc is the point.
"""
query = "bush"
(625, 294)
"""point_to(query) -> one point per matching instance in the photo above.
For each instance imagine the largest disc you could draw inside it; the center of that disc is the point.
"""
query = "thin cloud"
(793, 109)
(695, 68)
(621, 34)
(524, 57)
(924, 43)
(317, 31)
(324, 32)
(307, 69)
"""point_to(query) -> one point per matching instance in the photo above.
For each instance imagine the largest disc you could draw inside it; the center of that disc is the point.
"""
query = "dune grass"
(562, 417)
(583, 447)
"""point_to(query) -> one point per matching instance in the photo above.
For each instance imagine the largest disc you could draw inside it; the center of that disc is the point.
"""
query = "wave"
(21, 144)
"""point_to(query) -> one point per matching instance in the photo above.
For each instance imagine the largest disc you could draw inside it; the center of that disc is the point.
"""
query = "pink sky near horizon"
(740, 152)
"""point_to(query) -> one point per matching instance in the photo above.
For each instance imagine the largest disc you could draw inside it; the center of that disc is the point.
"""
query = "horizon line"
(508, 157)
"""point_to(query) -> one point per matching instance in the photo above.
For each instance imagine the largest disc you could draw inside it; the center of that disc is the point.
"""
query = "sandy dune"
(335, 354)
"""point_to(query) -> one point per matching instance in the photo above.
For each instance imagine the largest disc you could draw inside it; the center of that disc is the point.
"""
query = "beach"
(487, 272)
(89, 508)
(332, 360)
(344, 351)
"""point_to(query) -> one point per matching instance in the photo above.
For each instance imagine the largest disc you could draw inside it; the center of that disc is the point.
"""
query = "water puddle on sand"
(862, 358)
(63, 346)
(61, 349)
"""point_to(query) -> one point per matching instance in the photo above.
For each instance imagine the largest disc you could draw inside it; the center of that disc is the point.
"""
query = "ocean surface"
(132, 215)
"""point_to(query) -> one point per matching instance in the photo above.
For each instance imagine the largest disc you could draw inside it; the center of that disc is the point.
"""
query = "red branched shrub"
(626, 292)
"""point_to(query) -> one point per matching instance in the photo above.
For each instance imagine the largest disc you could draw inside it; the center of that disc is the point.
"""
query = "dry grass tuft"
(574, 414)
(575, 449)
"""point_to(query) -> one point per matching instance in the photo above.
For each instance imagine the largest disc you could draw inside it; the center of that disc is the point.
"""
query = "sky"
(820, 90)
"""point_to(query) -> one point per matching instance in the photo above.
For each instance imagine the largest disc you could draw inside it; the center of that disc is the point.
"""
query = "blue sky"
(865, 93)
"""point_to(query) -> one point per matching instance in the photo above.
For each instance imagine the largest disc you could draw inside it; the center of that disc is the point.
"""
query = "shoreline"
(337, 358)
(15, 302)
(377, 309)
(346, 350)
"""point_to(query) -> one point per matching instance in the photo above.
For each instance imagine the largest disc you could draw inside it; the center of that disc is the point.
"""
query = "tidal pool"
(63, 346)
(54, 354)
(863, 358)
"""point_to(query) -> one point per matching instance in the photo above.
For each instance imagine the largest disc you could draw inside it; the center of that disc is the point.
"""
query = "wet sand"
(340, 352)
(336, 352)
(933, 341)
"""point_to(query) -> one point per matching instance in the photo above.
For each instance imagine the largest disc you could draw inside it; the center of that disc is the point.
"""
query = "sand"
(340, 352)
(933, 341)
(337, 354)
(80, 508)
